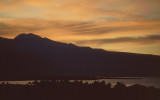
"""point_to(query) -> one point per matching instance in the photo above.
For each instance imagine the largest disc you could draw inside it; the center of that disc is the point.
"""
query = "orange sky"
(116, 25)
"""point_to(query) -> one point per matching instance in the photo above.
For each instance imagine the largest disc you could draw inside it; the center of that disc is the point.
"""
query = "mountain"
(29, 55)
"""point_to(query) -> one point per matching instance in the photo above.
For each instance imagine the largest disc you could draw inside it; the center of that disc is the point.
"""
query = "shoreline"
(69, 78)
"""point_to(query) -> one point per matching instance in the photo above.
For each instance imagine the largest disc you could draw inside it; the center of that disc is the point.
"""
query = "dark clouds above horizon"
(145, 40)
(119, 25)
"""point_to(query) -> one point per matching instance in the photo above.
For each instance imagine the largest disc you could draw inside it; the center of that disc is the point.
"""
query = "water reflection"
(147, 81)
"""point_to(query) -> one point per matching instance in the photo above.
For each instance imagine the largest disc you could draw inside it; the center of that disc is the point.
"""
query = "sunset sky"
(114, 25)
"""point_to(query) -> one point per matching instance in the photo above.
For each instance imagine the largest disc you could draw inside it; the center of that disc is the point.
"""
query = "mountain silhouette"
(29, 36)
(29, 55)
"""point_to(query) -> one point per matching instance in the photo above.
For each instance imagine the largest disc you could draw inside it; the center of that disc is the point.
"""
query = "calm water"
(147, 81)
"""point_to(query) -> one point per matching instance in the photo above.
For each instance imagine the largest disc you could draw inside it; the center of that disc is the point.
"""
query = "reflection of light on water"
(147, 81)
(16, 82)
(112, 81)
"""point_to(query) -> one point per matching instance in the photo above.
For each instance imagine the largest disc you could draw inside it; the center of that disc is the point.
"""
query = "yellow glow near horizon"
(118, 25)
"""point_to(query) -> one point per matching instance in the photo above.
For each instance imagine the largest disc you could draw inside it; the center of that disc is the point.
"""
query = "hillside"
(29, 55)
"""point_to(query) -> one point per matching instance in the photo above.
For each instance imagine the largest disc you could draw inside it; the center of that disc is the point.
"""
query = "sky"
(114, 25)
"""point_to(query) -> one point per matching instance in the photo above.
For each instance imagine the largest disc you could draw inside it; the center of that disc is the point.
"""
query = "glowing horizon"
(117, 25)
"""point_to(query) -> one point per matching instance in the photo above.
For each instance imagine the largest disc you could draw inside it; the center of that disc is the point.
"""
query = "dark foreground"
(65, 90)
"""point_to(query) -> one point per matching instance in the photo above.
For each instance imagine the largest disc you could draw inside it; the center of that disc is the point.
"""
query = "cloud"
(84, 10)
(81, 29)
(107, 27)
(145, 40)
(13, 27)
(83, 20)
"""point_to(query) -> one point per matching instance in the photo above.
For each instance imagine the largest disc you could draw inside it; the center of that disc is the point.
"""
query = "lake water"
(147, 81)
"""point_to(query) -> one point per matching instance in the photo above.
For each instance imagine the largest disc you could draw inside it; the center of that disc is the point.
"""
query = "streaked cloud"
(145, 40)
(89, 22)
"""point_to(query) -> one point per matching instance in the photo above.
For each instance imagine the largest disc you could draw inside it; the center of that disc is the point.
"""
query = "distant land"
(29, 56)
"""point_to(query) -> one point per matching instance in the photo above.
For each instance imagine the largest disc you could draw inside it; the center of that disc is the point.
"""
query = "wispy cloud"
(84, 21)
(83, 9)
(149, 39)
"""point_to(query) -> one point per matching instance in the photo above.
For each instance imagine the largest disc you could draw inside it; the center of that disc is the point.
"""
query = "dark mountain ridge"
(29, 55)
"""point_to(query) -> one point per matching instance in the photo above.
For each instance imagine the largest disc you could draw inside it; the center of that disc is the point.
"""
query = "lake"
(147, 81)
